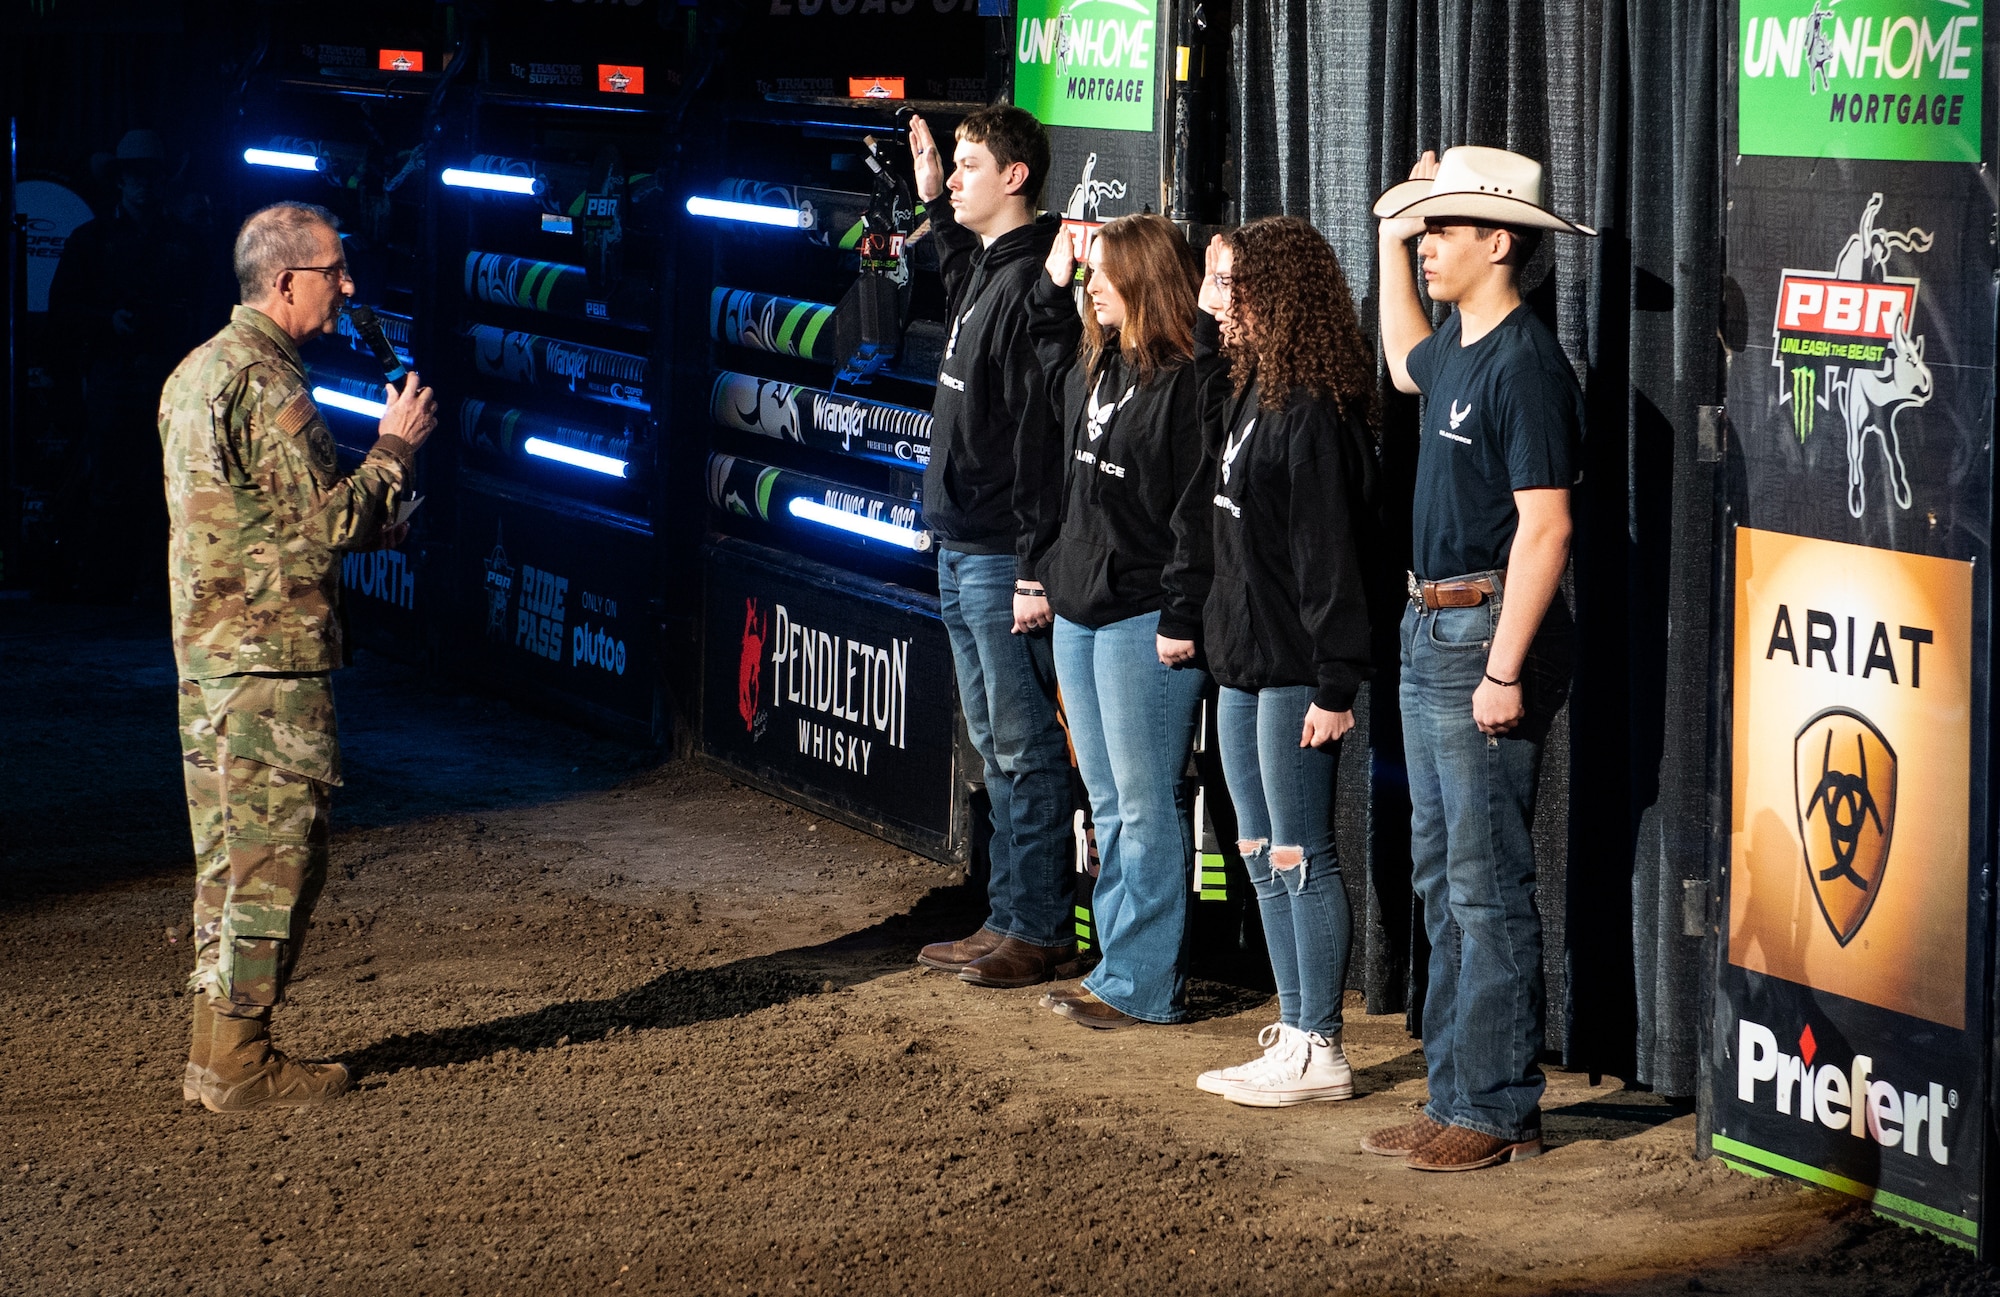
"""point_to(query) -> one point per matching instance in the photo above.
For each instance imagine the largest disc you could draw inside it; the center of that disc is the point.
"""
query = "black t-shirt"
(1502, 415)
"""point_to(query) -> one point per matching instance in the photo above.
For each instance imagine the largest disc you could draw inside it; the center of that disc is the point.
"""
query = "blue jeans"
(1284, 808)
(1007, 685)
(1472, 805)
(1131, 722)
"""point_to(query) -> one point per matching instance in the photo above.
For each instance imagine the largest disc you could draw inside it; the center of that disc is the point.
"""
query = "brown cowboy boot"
(1014, 962)
(1459, 1149)
(950, 956)
(1403, 1140)
(244, 1072)
(198, 1048)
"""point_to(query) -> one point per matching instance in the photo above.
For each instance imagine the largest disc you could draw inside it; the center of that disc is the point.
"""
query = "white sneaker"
(1311, 1068)
(1273, 1038)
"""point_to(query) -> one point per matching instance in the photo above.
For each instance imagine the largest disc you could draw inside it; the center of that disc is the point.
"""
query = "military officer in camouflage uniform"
(259, 517)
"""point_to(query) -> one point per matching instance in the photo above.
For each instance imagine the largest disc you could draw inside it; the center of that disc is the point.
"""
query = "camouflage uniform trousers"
(260, 755)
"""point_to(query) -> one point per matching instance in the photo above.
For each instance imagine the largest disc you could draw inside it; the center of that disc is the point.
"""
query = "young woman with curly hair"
(1126, 388)
(1285, 623)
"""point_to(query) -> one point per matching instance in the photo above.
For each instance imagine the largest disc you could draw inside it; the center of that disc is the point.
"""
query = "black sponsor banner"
(832, 686)
(560, 609)
(1849, 1043)
(553, 288)
(817, 511)
(838, 424)
(593, 373)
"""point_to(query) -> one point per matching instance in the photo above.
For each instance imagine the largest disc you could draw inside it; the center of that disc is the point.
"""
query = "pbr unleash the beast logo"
(1844, 343)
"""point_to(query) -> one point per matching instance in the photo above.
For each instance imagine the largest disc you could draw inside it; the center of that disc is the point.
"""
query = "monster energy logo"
(1805, 380)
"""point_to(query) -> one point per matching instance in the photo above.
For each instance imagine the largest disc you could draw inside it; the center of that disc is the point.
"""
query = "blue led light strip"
(562, 454)
(352, 404)
(459, 178)
(872, 528)
(750, 213)
(288, 161)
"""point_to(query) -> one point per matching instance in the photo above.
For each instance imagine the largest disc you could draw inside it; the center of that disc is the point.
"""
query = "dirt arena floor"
(629, 1027)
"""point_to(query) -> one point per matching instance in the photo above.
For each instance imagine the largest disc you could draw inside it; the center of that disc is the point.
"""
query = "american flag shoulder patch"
(298, 412)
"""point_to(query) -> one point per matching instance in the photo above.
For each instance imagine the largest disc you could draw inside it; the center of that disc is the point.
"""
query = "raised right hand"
(1214, 296)
(925, 161)
(411, 413)
(1403, 229)
(1061, 264)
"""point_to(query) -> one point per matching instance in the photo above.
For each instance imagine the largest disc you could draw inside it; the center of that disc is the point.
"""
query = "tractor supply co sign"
(831, 685)
(1890, 79)
(1087, 62)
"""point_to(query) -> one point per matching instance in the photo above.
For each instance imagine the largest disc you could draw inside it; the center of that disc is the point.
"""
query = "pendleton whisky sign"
(1890, 79)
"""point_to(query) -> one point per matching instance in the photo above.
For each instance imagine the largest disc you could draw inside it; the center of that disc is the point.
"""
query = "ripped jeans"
(1284, 818)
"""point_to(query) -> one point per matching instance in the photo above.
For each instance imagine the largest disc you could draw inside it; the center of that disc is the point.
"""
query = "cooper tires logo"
(1845, 776)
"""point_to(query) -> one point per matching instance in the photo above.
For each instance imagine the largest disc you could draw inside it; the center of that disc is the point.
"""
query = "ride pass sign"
(1890, 79)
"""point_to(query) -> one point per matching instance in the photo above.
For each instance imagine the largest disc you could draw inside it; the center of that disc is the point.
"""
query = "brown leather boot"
(1459, 1149)
(1016, 963)
(1087, 1010)
(198, 1048)
(951, 956)
(244, 1072)
(1403, 1140)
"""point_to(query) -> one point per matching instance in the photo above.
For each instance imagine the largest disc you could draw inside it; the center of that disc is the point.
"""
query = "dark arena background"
(656, 777)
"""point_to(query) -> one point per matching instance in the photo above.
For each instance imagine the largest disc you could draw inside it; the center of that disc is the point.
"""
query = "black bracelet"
(1504, 684)
(1033, 592)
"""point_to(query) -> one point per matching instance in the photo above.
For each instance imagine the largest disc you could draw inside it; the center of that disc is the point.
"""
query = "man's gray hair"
(274, 238)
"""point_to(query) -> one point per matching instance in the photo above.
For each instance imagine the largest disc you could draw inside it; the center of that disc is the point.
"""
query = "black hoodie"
(992, 485)
(1286, 606)
(1132, 461)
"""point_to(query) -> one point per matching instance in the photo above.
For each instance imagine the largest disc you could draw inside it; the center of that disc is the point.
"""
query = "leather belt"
(1459, 592)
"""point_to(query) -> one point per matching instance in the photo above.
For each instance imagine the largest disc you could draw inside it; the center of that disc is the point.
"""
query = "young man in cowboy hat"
(1485, 639)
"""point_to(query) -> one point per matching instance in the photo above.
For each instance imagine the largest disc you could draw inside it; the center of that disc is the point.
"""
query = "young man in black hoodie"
(992, 499)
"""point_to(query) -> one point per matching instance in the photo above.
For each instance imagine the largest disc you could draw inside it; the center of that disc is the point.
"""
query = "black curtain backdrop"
(1333, 101)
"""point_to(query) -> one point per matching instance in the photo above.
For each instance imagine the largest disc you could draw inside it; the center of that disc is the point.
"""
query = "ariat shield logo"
(1845, 775)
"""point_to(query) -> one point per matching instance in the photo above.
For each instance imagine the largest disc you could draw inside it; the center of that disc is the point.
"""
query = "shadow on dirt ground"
(628, 1026)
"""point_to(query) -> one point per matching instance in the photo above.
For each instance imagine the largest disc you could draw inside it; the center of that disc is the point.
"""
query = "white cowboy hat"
(1479, 184)
(142, 147)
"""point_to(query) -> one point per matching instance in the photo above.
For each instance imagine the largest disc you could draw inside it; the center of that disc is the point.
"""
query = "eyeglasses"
(338, 272)
(1224, 282)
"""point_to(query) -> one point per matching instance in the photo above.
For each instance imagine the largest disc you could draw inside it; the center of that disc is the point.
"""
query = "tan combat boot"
(244, 1072)
(198, 1047)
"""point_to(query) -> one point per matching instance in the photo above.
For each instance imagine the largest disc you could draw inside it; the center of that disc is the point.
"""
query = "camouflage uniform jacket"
(258, 512)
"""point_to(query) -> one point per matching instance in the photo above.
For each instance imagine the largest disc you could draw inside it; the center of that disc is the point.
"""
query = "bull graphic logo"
(1845, 344)
(1090, 193)
(750, 667)
(499, 585)
(1845, 775)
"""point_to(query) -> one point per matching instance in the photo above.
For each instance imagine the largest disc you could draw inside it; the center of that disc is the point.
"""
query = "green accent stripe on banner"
(764, 481)
(548, 285)
(853, 235)
(1953, 1229)
(524, 292)
(818, 322)
(790, 327)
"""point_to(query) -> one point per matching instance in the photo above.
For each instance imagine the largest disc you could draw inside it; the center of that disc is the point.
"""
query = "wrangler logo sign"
(1849, 831)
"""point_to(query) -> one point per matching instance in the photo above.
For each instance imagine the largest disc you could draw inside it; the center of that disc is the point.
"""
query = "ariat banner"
(1889, 79)
(1087, 62)
(1849, 1040)
(1849, 822)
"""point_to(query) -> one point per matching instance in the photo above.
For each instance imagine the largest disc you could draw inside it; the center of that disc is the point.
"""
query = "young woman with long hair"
(1126, 388)
(1285, 624)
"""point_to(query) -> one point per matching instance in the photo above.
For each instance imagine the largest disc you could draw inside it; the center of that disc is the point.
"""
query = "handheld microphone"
(369, 329)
